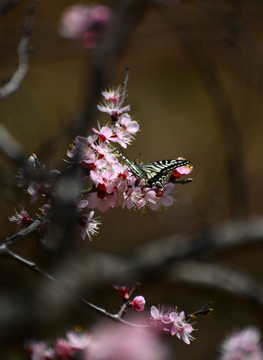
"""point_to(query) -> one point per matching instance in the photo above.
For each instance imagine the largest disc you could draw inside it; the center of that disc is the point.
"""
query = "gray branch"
(22, 51)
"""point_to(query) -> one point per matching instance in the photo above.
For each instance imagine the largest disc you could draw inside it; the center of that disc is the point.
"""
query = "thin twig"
(115, 317)
(126, 302)
(34, 267)
(21, 233)
(205, 310)
(29, 264)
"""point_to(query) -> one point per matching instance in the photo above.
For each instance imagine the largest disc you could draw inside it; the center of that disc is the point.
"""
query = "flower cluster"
(242, 345)
(107, 342)
(85, 23)
(112, 341)
(173, 322)
(114, 183)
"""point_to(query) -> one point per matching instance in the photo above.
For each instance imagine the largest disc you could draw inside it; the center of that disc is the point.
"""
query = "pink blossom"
(138, 303)
(113, 109)
(173, 322)
(149, 198)
(104, 180)
(74, 21)
(112, 103)
(112, 95)
(117, 342)
(67, 349)
(123, 290)
(21, 218)
(104, 133)
(39, 351)
(101, 200)
(85, 22)
(82, 204)
(123, 137)
(110, 183)
(64, 350)
(90, 226)
(242, 345)
(126, 123)
(180, 327)
(159, 318)
(182, 170)
(78, 340)
(101, 14)
(104, 152)
(156, 314)
(132, 198)
(162, 197)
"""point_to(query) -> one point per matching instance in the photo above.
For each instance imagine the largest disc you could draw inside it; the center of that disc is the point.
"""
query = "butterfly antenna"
(137, 159)
(120, 153)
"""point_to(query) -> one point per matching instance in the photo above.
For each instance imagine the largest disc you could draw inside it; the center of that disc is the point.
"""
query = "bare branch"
(30, 264)
(20, 234)
(14, 83)
(166, 255)
(205, 310)
(34, 267)
(10, 145)
(219, 276)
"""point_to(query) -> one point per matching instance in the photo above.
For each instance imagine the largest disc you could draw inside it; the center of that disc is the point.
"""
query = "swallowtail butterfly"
(154, 173)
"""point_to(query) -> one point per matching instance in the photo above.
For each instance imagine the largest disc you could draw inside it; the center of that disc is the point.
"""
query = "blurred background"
(195, 86)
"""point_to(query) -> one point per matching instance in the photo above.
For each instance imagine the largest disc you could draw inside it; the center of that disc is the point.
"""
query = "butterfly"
(154, 173)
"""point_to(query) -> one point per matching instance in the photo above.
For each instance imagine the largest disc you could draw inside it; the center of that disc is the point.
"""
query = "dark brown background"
(195, 86)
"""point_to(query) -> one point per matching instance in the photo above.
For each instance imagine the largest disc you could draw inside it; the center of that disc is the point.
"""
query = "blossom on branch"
(90, 226)
(21, 218)
(173, 322)
(112, 183)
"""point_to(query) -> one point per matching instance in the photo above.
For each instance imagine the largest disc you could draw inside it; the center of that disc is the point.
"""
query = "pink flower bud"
(138, 303)
(123, 290)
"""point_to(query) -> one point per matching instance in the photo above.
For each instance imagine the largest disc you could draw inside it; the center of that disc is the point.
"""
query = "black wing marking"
(153, 173)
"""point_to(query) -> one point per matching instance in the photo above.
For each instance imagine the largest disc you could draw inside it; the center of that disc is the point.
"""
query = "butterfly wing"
(158, 171)
(153, 173)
